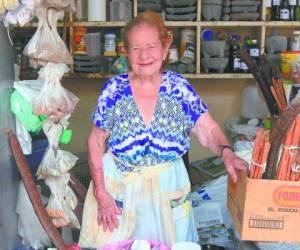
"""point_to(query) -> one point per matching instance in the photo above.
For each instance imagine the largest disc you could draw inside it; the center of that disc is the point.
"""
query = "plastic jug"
(253, 104)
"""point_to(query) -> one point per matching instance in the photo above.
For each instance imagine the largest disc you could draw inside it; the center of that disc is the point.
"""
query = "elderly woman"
(141, 130)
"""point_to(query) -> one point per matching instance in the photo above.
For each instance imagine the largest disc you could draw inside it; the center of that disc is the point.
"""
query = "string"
(290, 148)
(263, 166)
(296, 167)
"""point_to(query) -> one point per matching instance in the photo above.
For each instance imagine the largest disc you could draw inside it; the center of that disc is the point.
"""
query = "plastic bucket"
(92, 43)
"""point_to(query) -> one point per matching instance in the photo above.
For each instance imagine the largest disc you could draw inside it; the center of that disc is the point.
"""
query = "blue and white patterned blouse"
(167, 137)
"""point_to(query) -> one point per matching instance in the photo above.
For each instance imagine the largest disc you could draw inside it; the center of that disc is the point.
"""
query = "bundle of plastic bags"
(54, 170)
(62, 202)
(46, 45)
(55, 162)
(53, 99)
(18, 12)
(7, 5)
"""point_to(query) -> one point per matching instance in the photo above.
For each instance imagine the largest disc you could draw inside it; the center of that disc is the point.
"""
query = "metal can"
(78, 42)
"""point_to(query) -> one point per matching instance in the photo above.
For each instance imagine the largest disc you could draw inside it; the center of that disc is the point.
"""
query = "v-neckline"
(145, 125)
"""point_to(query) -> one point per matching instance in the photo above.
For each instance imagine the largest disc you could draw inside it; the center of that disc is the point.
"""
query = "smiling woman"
(141, 130)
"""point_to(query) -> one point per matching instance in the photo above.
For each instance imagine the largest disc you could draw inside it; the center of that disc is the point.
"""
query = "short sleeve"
(103, 116)
(193, 106)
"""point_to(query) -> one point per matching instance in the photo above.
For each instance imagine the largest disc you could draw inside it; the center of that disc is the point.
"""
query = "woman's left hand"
(233, 164)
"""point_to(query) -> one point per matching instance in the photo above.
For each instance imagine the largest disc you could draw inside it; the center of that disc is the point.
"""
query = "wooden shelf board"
(189, 76)
(282, 23)
(231, 24)
(224, 76)
(181, 23)
(88, 75)
(100, 24)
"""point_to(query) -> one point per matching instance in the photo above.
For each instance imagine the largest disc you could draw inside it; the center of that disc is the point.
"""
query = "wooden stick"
(279, 129)
(277, 99)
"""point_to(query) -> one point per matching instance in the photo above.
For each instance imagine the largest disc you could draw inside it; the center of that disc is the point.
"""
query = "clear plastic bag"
(29, 227)
(46, 45)
(22, 15)
(54, 99)
(67, 5)
(55, 162)
(62, 202)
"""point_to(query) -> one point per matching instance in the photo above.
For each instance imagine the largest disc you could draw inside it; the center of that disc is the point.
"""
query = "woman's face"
(145, 51)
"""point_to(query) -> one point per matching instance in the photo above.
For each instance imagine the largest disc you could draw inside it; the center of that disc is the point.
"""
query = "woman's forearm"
(209, 134)
(96, 148)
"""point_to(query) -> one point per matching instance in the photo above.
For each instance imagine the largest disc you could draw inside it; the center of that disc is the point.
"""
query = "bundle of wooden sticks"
(276, 153)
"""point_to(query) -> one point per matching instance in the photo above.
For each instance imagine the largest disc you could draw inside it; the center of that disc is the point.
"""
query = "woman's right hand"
(107, 211)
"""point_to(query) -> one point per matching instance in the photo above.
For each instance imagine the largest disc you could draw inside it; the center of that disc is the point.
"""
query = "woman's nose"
(144, 54)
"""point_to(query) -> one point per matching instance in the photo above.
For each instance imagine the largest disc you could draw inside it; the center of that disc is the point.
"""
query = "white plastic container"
(96, 10)
(296, 41)
(186, 246)
(253, 104)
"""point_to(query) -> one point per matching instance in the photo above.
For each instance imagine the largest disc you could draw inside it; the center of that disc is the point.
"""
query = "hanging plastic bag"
(29, 227)
(53, 99)
(24, 113)
(55, 162)
(61, 202)
(46, 45)
(8, 5)
(21, 15)
(67, 5)
(24, 138)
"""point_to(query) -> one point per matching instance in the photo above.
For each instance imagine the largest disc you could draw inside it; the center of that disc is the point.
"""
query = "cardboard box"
(265, 210)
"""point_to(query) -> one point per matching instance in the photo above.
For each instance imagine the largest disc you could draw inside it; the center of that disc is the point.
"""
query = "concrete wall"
(9, 180)
(223, 97)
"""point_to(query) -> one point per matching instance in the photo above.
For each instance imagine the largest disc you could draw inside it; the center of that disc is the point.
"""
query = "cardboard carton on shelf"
(265, 210)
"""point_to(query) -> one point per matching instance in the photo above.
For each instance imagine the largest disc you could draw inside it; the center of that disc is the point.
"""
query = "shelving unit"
(260, 28)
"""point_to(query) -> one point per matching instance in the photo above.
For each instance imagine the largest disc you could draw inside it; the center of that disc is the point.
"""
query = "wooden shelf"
(259, 29)
(99, 24)
(231, 24)
(181, 23)
(282, 24)
(188, 76)
(88, 75)
(224, 76)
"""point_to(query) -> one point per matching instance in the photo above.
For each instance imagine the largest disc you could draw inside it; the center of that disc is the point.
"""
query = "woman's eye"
(135, 48)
